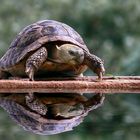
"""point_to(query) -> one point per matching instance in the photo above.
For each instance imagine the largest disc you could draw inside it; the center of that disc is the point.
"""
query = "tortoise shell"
(37, 34)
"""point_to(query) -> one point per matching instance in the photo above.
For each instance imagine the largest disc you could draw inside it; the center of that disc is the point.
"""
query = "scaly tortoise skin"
(61, 121)
(47, 47)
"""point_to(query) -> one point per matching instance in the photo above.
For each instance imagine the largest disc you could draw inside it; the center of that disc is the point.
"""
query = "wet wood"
(86, 84)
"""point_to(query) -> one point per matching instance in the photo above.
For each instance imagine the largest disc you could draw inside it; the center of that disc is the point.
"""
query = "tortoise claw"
(100, 76)
(30, 73)
(101, 73)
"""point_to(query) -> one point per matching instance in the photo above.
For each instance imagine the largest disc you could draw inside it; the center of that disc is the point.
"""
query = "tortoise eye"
(71, 52)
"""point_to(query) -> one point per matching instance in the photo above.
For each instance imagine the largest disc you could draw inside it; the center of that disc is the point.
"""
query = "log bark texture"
(86, 84)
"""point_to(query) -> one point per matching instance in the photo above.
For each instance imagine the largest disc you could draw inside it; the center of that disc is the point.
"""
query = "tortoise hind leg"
(35, 61)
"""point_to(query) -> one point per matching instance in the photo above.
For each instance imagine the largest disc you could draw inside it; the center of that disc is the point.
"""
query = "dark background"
(111, 30)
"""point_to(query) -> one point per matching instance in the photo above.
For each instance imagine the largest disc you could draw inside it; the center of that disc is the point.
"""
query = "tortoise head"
(70, 54)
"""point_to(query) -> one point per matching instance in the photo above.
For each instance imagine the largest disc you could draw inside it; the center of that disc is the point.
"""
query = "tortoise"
(39, 123)
(48, 47)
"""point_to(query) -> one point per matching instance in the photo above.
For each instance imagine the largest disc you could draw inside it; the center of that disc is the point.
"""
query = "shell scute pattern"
(49, 30)
(34, 36)
(73, 34)
(29, 36)
(17, 39)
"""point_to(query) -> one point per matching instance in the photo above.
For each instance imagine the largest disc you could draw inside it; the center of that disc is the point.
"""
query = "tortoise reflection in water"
(49, 114)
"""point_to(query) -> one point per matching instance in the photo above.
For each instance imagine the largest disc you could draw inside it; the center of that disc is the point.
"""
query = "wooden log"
(86, 84)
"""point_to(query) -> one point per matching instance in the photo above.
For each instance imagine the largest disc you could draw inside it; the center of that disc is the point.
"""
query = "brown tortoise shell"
(35, 35)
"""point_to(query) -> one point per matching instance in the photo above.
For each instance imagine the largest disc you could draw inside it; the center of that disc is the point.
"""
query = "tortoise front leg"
(94, 102)
(95, 64)
(35, 104)
(34, 62)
